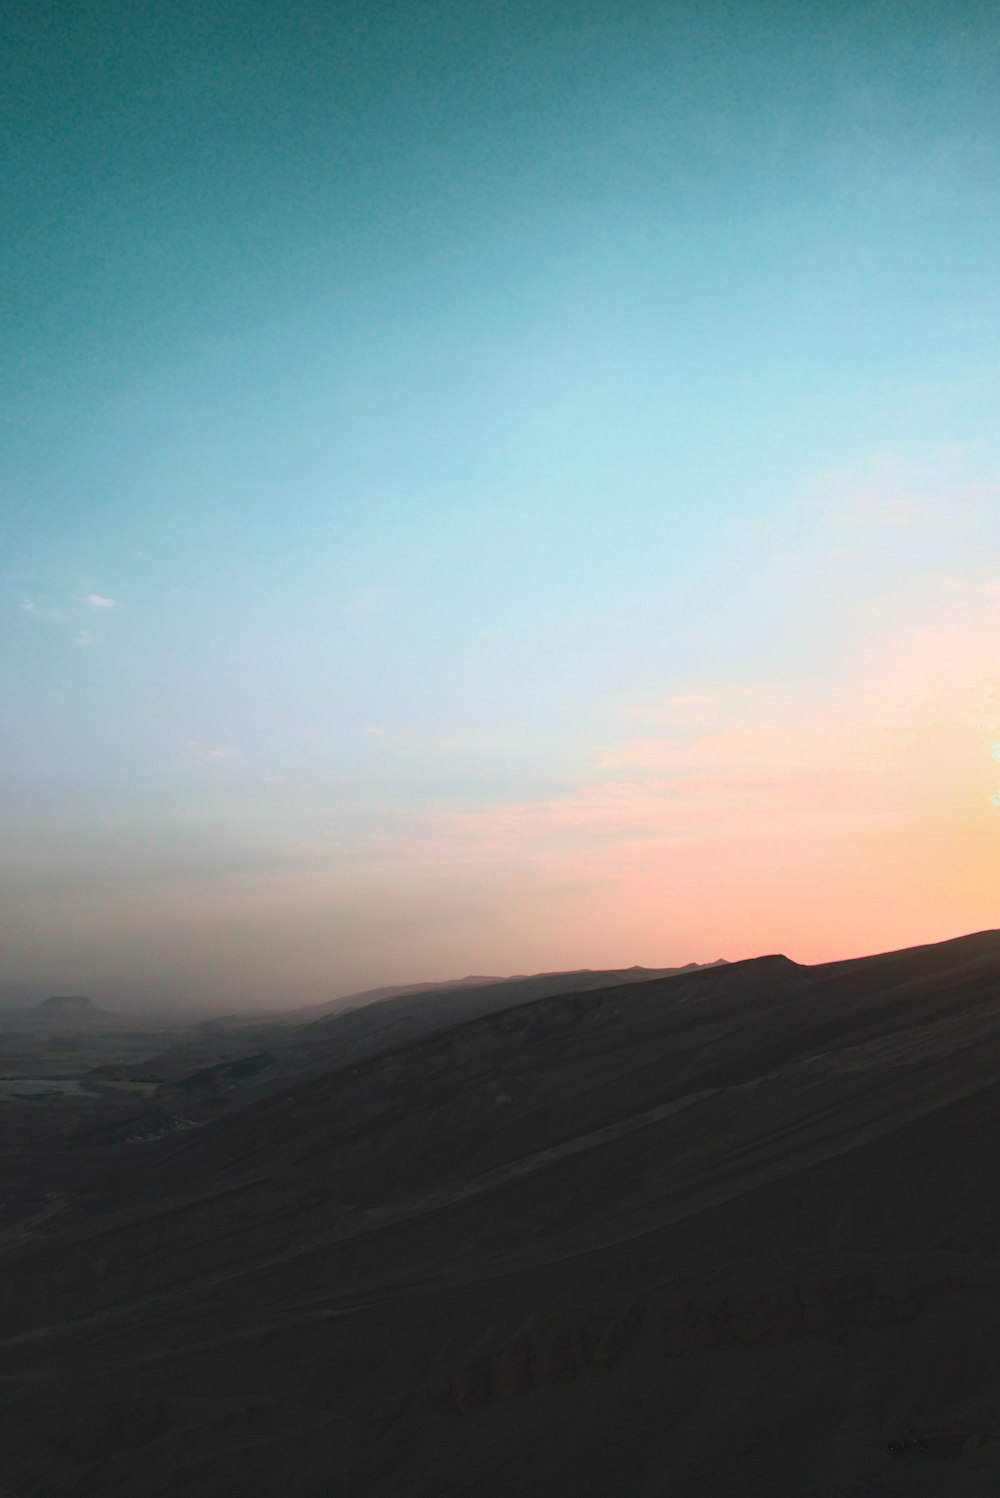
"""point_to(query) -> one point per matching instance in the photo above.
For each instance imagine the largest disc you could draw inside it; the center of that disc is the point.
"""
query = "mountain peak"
(70, 1003)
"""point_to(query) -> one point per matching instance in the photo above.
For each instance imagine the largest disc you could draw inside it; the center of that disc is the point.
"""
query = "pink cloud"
(887, 490)
(868, 800)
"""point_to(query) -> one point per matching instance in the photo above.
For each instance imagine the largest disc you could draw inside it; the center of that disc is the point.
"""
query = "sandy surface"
(732, 1232)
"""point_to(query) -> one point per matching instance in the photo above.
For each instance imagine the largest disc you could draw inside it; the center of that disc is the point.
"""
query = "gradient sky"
(495, 487)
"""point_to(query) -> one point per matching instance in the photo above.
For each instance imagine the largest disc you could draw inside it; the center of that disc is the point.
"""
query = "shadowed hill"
(396, 991)
(417, 1011)
(69, 1013)
(362, 1025)
(732, 1231)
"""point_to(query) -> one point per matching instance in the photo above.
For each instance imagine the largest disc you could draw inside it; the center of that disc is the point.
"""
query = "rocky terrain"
(735, 1230)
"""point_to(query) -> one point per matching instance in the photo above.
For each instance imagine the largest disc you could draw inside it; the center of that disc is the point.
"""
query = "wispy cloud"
(207, 751)
(86, 638)
(893, 760)
(698, 702)
(40, 611)
(888, 490)
(368, 601)
(70, 613)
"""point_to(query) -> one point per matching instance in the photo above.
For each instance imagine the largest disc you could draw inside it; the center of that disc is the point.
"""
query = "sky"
(494, 487)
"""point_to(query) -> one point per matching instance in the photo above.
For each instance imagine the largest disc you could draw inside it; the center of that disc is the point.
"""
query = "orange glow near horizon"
(824, 819)
(825, 822)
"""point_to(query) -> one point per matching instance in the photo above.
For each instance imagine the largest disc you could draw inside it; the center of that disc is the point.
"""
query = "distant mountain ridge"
(73, 1003)
(72, 1012)
(362, 999)
(366, 1024)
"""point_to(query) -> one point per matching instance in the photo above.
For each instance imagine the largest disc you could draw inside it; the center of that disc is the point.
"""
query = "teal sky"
(415, 412)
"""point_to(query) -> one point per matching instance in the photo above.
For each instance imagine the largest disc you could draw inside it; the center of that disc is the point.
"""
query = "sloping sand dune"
(730, 1232)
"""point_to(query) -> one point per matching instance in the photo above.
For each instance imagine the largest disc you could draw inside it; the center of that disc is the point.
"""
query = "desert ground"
(731, 1230)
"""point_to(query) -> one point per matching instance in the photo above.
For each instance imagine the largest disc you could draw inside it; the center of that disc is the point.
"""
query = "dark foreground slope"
(735, 1232)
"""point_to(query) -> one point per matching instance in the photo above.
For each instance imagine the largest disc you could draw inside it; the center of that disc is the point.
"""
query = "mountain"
(362, 1025)
(520, 986)
(404, 1013)
(72, 1007)
(733, 1231)
(400, 990)
(70, 1013)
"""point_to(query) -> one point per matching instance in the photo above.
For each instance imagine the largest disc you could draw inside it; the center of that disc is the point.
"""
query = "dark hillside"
(733, 1231)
